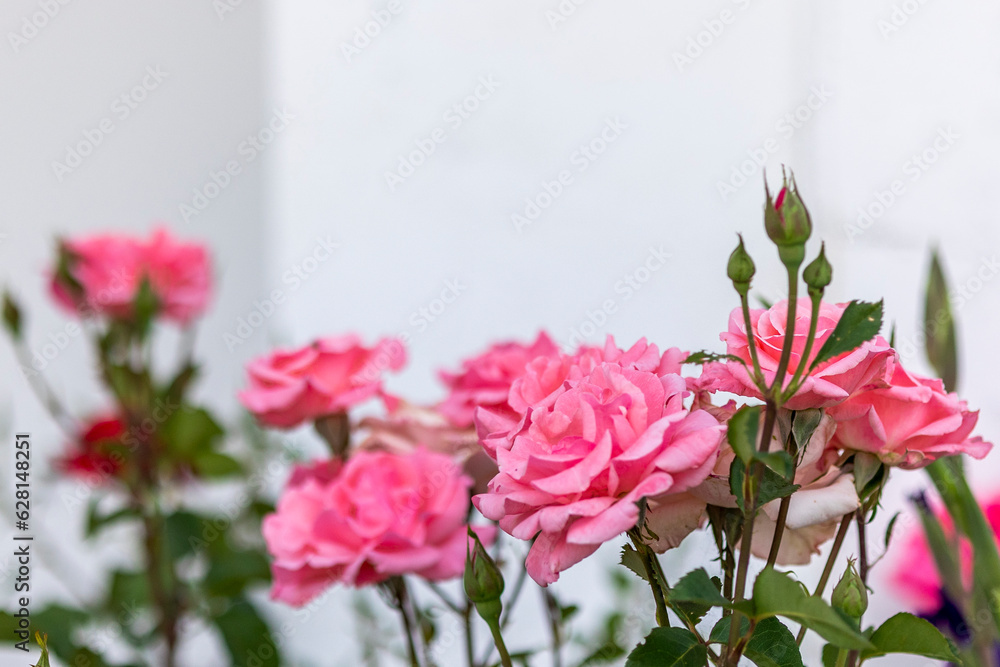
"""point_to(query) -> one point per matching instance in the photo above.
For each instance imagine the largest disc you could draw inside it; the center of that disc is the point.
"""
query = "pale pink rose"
(409, 426)
(908, 424)
(378, 515)
(829, 384)
(101, 275)
(573, 469)
(289, 387)
(815, 510)
(485, 379)
(913, 571)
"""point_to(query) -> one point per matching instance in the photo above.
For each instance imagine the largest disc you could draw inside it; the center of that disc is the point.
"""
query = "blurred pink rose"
(409, 426)
(102, 275)
(99, 453)
(815, 510)
(290, 387)
(830, 383)
(574, 466)
(485, 379)
(908, 424)
(913, 572)
(378, 515)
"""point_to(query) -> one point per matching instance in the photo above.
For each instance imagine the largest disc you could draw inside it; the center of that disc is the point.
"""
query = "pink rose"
(408, 427)
(99, 453)
(914, 572)
(830, 383)
(290, 387)
(814, 511)
(485, 379)
(102, 274)
(574, 467)
(908, 424)
(378, 515)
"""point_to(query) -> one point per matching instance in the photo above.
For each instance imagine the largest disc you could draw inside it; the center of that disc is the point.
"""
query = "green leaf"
(145, 305)
(696, 586)
(96, 521)
(772, 485)
(705, 357)
(60, 624)
(804, 423)
(906, 633)
(11, 316)
(859, 323)
(939, 323)
(695, 594)
(232, 570)
(742, 432)
(180, 527)
(669, 647)
(216, 464)
(777, 594)
(190, 431)
(129, 590)
(633, 561)
(779, 462)
(772, 644)
(247, 636)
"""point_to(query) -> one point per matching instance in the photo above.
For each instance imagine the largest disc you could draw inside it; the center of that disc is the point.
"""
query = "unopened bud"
(483, 580)
(850, 596)
(787, 222)
(741, 268)
(818, 274)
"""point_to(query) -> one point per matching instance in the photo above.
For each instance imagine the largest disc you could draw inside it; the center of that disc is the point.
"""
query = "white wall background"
(894, 76)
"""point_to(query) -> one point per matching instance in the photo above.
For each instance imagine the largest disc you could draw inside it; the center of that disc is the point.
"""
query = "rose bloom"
(829, 384)
(289, 387)
(485, 380)
(102, 274)
(408, 427)
(361, 522)
(913, 571)
(575, 465)
(814, 511)
(99, 452)
(908, 424)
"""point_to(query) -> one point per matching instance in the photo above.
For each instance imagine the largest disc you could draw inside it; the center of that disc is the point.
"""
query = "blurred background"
(483, 170)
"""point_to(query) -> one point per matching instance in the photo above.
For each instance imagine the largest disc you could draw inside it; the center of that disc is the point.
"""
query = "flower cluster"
(102, 275)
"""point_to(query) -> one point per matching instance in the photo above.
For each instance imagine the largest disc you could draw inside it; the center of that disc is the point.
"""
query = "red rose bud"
(818, 274)
(741, 268)
(787, 222)
(483, 580)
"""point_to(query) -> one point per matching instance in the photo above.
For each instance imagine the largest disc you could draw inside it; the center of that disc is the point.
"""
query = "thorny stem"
(786, 349)
(745, 306)
(779, 526)
(407, 613)
(652, 576)
(793, 386)
(862, 520)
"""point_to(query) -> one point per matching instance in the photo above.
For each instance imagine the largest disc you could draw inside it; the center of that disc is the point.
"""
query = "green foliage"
(859, 323)
(246, 635)
(771, 645)
(11, 316)
(906, 633)
(777, 594)
(43, 659)
(941, 340)
(741, 432)
(771, 485)
(669, 647)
